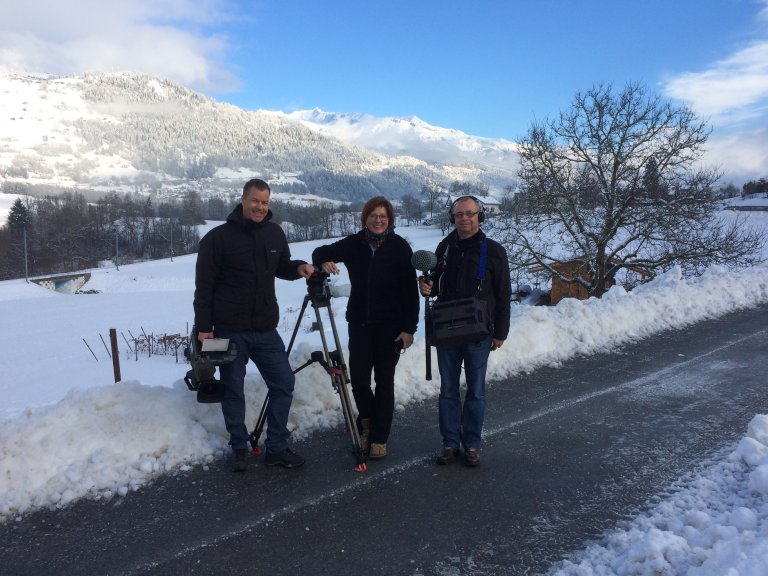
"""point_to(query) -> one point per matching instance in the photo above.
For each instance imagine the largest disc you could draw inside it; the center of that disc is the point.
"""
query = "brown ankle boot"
(378, 451)
(365, 429)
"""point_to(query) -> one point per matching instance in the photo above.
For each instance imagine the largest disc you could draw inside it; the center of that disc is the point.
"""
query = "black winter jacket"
(384, 287)
(456, 276)
(237, 263)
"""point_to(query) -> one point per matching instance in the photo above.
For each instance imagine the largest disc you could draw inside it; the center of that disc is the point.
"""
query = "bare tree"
(459, 188)
(612, 182)
(412, 210)
(433, 193)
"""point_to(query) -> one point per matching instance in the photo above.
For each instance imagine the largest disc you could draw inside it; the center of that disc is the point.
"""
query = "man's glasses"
(465, 214)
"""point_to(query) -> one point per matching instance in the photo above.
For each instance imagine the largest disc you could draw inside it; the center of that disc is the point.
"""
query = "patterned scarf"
(375, 240)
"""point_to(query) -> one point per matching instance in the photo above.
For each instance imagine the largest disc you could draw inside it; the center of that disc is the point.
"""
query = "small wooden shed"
(573, 269)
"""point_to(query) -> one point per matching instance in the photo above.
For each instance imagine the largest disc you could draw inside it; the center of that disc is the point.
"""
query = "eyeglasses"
(378, 217)
(465, 214)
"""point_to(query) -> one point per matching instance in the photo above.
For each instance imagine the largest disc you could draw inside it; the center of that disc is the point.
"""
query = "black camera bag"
(458, 322)
(464, 320)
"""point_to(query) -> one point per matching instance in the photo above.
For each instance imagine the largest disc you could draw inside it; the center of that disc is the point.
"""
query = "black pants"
(372, 348)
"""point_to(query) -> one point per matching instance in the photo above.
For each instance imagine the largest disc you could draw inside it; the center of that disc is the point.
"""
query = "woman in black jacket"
(382, 313)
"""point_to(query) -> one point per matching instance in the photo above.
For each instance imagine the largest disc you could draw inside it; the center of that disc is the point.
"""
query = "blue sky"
(487, 68)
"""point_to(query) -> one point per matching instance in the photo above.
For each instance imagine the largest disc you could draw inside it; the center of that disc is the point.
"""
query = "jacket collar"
(236, 217)
(454, 240)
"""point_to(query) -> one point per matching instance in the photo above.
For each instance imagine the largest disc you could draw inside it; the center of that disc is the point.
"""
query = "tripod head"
(319, 288)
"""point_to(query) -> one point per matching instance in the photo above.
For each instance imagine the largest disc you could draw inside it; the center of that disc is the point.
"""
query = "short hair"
(466, 197)
(257, 183)
(374, 203)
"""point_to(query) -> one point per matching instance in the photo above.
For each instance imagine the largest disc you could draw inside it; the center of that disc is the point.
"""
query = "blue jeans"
(267, 351)
(462, 426)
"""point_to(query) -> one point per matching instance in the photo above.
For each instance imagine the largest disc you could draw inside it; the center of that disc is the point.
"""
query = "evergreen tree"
(18, 217)
(652, 185)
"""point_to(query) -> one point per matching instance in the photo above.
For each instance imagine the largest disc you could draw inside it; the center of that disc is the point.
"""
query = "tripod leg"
(298, 323)
(259, 428)
(340, 380)
(351, 423)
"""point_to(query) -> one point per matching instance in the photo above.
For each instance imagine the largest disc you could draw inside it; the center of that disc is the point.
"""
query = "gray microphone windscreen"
(424, 260)
(340, 290)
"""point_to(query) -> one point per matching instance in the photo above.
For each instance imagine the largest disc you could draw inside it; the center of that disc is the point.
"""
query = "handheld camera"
(204, 358)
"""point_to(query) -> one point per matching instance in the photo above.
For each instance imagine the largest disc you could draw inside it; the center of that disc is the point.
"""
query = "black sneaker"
(286, 458)
(241, 461)
(448, 456)
(472, 457)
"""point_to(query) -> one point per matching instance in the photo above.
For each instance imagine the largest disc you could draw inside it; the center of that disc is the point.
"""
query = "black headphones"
(480, 216)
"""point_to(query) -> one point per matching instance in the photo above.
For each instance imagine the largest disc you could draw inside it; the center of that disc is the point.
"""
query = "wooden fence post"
(115, 354)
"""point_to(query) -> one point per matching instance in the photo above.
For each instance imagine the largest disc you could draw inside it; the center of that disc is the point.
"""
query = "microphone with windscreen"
(426, 261)
(340, 290)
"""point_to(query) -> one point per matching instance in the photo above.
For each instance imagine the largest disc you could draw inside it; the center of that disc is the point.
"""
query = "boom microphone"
(424, 260)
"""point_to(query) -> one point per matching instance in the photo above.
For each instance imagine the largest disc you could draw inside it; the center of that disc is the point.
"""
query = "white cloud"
(732, 95)
(732, 90)
(744, 154)
(170, 38)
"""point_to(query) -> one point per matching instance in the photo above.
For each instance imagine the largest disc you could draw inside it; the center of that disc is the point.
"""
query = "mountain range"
(124, 131)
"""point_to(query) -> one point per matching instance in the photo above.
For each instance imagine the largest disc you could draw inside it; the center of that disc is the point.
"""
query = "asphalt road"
(568, 452)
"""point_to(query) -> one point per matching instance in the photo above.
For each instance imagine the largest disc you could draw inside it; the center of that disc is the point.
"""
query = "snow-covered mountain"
(126, 131)
(412, 137)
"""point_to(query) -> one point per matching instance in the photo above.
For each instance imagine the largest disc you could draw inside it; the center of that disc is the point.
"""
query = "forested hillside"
(133, 132)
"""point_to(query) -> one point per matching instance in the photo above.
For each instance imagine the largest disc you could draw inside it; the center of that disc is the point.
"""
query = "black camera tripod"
(318, 293)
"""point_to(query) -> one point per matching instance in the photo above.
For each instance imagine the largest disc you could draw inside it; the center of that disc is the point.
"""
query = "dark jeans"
(372, 348)
(462, 425)
(267, 351)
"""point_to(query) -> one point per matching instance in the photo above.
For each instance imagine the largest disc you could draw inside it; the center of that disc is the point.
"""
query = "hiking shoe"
(378, 451)
(287, 459)
(472, 457)
(241, 461)
(447, 457)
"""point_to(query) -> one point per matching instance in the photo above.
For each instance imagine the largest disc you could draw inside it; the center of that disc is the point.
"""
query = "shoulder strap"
(483, 258)
(481, 266)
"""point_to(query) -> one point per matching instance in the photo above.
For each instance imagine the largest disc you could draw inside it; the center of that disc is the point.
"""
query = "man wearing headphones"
(469, 264)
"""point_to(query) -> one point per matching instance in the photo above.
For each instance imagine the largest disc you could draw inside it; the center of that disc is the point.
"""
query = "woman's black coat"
(384, 287)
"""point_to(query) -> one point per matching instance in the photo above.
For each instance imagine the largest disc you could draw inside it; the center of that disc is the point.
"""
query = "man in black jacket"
(470, 264)
(237, 263)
